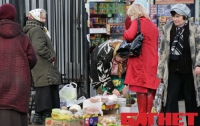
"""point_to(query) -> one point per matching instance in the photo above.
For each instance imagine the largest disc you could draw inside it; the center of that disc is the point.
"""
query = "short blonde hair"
(137, 11)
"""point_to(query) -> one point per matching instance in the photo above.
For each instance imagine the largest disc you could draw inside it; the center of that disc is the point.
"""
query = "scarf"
(32, 22)
(177, 44)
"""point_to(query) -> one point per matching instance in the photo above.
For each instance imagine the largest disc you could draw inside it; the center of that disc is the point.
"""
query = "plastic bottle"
(128, 99)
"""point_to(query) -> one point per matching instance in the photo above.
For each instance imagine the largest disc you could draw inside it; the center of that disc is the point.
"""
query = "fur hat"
(7, 11)
(141, 2)
(181, 9)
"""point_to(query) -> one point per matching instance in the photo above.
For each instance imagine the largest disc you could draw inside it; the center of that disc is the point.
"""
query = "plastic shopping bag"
(68, 92)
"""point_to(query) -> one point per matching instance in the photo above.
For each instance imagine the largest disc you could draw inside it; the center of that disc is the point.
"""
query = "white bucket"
(122, 102)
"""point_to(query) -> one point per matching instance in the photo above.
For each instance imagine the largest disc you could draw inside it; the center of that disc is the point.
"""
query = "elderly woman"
(45, 74)
(18, 57)
(179, 63)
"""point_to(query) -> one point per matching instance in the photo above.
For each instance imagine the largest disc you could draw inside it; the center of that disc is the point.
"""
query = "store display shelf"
(97, 30)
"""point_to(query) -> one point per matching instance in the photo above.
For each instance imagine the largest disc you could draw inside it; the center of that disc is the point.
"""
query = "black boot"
(46, 114)
(38, 119)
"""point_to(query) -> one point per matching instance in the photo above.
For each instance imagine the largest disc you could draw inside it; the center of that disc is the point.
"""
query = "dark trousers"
(184, 82)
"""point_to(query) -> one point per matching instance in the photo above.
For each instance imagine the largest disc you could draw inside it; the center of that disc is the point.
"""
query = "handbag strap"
(138, 21)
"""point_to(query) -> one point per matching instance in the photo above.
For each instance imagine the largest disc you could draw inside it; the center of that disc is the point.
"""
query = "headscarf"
(7, 11)
(35, 14)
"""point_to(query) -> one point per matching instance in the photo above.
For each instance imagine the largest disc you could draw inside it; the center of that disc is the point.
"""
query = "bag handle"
(74, 84)
(138, 24)
(71, 85)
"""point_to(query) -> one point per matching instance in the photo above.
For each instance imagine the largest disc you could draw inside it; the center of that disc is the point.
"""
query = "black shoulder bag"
(135, 46)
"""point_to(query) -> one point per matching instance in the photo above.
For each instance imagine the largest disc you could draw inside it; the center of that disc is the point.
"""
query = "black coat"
(101, 64)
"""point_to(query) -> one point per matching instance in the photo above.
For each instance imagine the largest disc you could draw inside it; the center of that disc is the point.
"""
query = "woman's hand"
(125, 90)
(197, 70)
(116, 92)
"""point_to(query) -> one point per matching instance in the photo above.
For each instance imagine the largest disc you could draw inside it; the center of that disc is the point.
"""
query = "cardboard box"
(92, 121)
(52, 122)
(115, 115)
(108, 112)
(133, 108)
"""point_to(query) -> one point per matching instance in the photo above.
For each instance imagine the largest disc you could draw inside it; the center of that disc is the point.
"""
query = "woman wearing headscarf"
(141, 70)
(18, 57)
(45, 74)
(179, 61)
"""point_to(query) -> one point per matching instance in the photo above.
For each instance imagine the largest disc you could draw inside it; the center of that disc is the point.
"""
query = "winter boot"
(142, 102)
(38, 119)
(46, 114)
(150, 98)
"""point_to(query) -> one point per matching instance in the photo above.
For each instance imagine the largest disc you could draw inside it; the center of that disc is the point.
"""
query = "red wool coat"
(17, 57)
(141, 71)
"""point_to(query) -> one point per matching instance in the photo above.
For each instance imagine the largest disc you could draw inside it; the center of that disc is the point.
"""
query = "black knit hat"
(7, 11)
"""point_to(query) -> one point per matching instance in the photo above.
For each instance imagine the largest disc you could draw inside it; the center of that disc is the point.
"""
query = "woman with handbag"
(141, 70)
(179, 62)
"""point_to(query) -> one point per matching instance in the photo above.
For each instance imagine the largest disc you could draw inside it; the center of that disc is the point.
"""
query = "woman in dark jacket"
(108, 67)
(18, 57)
(45, 74)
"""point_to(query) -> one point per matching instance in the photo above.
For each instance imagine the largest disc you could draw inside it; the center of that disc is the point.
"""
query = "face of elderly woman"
(43, 17)
(178, 20)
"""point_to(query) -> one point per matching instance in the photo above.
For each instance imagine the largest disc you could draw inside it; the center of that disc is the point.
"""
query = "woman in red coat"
(141, 70)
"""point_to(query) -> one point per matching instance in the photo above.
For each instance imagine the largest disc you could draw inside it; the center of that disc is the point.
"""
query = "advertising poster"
(153, 14)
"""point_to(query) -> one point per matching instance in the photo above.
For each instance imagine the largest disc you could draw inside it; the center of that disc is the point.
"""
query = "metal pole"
(71, 39)
(85, 30)
(20, 8)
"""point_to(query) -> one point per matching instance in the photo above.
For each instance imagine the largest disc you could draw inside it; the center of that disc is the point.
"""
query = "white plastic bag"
(68, 92)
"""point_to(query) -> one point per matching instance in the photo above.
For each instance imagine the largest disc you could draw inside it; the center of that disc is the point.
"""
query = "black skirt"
(46, 98)
(13, 118)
